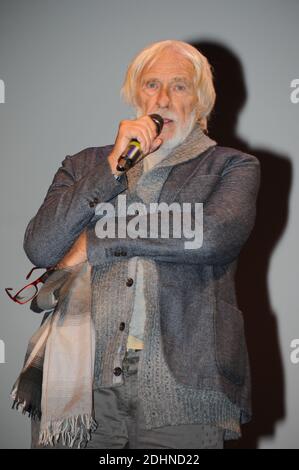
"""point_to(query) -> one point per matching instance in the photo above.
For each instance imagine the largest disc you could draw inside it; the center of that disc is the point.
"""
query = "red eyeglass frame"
(40, 279)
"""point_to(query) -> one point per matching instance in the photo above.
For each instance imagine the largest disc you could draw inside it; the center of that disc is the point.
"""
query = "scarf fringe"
(69, 429)
(21, 404)
(27, 408)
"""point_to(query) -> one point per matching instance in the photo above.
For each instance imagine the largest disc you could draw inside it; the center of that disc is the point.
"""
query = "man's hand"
(76, 254)
(143, 129)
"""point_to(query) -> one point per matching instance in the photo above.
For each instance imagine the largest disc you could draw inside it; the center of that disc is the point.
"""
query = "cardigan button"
(122, 326)
(91, 204)
(117, 371)
(129, 282)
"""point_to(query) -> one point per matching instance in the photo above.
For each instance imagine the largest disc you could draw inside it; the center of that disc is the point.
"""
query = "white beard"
(180, 135)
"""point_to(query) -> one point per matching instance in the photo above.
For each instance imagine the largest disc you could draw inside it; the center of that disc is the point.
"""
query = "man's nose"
(163, 98)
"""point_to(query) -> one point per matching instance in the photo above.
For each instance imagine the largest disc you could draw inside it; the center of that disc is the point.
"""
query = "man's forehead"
(178, 67)
(156, 76)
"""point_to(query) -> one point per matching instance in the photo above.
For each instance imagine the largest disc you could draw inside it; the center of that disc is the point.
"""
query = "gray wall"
(63, 62)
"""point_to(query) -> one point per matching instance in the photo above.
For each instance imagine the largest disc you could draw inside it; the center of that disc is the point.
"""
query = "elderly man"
(171, 366)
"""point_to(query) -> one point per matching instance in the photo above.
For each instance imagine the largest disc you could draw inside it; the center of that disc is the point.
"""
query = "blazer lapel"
(179, 177)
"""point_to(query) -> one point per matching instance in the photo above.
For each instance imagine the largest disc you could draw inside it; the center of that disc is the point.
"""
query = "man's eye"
(152, 85)
(180, 87)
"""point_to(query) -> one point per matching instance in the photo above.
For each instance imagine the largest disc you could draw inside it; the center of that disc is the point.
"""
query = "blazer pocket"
(230, 342)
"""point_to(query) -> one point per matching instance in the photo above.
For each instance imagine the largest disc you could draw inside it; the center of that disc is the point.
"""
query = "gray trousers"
(122, 426)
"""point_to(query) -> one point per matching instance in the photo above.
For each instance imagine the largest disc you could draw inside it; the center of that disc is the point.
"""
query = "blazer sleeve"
(228, 218)
(68, 207)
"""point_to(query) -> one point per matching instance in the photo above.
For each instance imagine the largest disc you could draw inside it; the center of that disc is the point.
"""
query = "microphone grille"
(158, 120)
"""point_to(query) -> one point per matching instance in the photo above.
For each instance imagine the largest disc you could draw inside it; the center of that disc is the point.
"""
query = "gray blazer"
(197, 296)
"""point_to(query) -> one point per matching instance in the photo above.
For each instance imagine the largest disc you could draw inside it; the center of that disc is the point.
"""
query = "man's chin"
(168, 134)
(175, 138)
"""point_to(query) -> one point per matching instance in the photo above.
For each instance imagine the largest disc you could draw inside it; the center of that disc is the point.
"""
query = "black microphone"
(133, 150)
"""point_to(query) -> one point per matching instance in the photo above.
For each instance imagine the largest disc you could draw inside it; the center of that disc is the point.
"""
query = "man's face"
(167, 88)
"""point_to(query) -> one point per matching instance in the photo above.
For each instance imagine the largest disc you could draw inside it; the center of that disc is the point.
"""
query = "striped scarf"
(55, 384)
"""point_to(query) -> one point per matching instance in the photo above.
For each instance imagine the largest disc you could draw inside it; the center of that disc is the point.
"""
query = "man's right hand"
(143, 129)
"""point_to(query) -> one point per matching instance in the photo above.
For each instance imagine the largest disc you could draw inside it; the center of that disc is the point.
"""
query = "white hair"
(203, 77)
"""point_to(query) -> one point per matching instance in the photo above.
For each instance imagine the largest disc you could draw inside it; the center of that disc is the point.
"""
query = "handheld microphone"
(133, 150)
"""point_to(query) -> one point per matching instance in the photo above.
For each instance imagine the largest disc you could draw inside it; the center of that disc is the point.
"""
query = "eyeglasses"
(28, 292)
